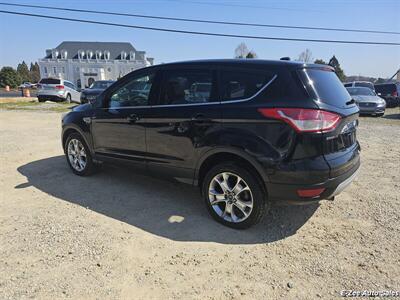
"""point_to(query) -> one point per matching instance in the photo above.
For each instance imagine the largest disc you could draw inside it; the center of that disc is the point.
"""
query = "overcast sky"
(26, 38)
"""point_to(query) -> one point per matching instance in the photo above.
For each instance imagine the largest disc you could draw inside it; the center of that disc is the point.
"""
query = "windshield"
(50, 81)
(101, 85)
(203, 87)
(325, 86)
(361, 91)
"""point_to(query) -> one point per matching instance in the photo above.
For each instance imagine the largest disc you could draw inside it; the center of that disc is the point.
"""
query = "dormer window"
(123, 55)
(89, 54)
(132, 55)
(64, 54)
(81, 54)
(54, 54)
(98, 54)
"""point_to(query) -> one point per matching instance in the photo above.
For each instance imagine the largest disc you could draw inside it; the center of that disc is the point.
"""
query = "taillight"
(303, 120)
(310, 193)
(395, 94)
(59, 87)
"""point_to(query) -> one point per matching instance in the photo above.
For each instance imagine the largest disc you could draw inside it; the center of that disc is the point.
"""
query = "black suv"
(390, 92)
(249, 133)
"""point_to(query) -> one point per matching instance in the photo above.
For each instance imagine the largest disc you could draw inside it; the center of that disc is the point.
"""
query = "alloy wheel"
(77, 155)
(230, 197)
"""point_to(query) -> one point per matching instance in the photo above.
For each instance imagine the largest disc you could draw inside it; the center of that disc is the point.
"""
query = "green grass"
(36, 106)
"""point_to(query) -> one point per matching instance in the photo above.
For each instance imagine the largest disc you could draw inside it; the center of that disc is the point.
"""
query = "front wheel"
(233, 196)
(78, 155)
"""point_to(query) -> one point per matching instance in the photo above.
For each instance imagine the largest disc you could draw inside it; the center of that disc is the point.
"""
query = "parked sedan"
(368, 101)
(97, 87)
(27, 85)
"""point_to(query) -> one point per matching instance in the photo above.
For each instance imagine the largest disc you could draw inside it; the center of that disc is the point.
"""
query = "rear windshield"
(385, 89)
(361, 91)
(325, 86)
(365, 84)
(50, 81)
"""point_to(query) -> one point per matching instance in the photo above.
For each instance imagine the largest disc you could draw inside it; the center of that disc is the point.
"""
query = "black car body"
(90, 94)
(288, 129)
(390, 92)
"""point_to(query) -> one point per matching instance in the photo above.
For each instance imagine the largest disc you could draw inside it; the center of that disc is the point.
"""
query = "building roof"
(115, 48)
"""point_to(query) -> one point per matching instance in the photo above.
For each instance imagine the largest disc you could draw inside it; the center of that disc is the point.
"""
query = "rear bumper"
(287, 193)
(51, 98)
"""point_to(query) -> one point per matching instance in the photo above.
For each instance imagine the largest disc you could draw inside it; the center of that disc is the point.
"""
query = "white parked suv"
(54, 89)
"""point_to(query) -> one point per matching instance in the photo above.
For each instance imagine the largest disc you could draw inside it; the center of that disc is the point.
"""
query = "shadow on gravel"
(392, 116)
(166, 209)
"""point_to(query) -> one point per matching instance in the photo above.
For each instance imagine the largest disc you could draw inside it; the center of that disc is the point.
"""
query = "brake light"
(395, 94)
(311, 193)
(303, 120)
(59, 87)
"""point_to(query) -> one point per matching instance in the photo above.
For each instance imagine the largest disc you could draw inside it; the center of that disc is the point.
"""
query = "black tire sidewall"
(68, 98)
(89, 168)
(260, 200)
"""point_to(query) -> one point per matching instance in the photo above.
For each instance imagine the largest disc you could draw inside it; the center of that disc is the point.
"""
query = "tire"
(82, 165)
(41, 99)
(68, 98)
(253, 201)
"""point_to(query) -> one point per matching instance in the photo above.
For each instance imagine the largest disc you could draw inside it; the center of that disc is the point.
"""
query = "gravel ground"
(118, 235)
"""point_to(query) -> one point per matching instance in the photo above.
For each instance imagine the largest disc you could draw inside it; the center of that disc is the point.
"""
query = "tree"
(305, 56)
(10, 77)
(320, 61)
(34, 72)
(241, 51)
(23, 72)
(333, 62)
(251, 54)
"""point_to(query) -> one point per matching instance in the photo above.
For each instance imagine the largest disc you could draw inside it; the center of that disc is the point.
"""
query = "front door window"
(134, 93)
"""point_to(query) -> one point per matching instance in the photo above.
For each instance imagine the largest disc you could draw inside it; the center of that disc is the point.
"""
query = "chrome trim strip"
(255, 95)
(206, 103)
(344, 184)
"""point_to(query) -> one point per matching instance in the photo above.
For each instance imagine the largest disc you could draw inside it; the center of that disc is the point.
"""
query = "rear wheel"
(78, 155)
(233, 196)
(68, 98)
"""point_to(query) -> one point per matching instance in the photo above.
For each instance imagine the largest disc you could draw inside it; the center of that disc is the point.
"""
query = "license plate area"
(345, 139)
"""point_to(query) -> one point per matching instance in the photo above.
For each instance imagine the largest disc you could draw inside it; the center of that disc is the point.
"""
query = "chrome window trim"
(206, 103)
(255, 95)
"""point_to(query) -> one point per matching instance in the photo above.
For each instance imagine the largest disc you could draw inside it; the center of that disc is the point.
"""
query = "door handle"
(200, 118)
(133, 118)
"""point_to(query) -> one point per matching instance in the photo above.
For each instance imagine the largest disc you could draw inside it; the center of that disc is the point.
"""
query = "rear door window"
(237, 85)
(50, 81)
(325, 87)
(187, 86)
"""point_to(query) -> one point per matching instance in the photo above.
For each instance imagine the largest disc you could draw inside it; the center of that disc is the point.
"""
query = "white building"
(85, 62)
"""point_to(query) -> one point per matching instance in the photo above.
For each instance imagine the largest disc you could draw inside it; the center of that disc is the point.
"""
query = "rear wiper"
(352, 101)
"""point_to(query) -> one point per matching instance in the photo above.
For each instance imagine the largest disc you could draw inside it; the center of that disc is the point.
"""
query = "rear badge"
(351, 126)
